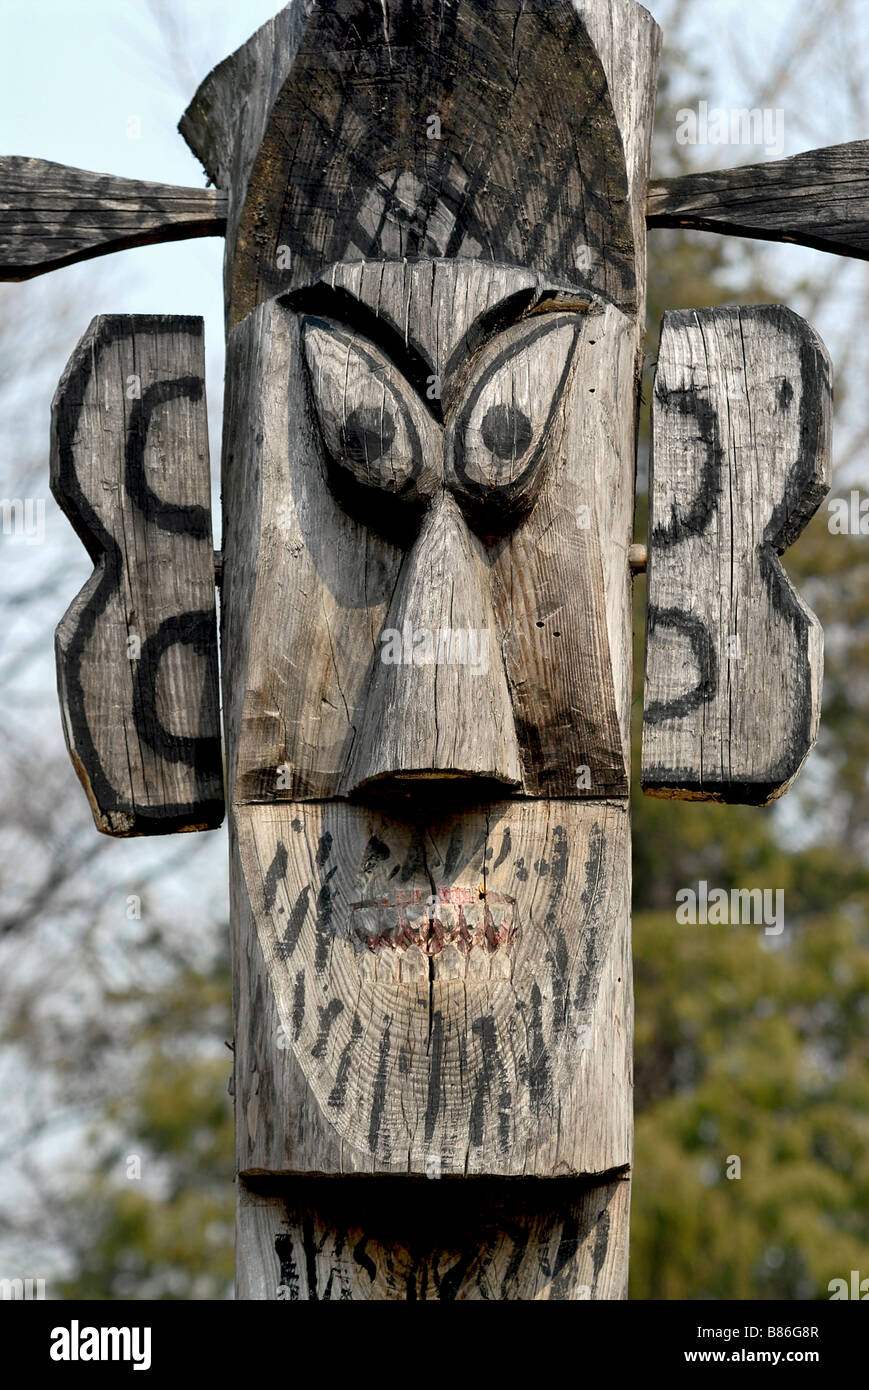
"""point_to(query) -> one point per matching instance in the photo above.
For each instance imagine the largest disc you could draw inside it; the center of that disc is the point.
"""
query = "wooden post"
(435, 296)
(435, 221)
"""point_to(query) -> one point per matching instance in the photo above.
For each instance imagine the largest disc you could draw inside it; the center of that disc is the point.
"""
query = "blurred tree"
(155, 1218)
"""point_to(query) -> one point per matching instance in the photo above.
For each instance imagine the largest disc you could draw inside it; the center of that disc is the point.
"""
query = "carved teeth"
(454, 917)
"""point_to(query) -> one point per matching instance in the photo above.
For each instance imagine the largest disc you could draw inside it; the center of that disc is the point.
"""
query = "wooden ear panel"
(137, 649)
(741, 441)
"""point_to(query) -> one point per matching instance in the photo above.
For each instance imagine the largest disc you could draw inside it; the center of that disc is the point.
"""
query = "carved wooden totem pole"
(435, 219)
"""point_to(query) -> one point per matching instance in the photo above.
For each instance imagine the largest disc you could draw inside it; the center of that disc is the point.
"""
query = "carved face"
(431, 494)
(426, 696)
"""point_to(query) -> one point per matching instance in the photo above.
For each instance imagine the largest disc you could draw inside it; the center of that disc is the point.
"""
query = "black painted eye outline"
(437, 451)
(519, 494)
(351, 461)
(378, 373)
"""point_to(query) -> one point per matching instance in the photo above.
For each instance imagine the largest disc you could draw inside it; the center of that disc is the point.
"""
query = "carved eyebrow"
(336, 303)
(410, 360)
(524, 304)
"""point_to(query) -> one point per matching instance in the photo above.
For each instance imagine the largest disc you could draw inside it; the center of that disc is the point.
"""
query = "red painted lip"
(466, 918)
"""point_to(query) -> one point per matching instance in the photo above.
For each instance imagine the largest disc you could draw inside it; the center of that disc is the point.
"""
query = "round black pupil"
(367, 434)
(506, 432)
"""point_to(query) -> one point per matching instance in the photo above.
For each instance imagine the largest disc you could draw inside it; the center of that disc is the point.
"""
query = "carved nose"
(438, 705)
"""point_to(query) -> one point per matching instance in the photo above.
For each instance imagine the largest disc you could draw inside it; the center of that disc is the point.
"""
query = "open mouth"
(470, 919)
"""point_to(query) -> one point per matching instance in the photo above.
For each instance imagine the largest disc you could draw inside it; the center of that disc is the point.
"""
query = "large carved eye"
(501, 424)
(384, 450)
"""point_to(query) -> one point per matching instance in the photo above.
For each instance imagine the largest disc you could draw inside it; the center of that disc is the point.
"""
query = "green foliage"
(156, 1220)
(757, 1051)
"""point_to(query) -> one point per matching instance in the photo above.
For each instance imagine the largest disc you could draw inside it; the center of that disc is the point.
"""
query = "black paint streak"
(450, 1284)
(290, 939)
(328, 1015)
(597, 925)
(376, 852)
(274, 875)
(539, 1081)
(197, 630)
(453, 855)
(565, 1257)
(298, 1004)
(491, 1069)
(601, 1243)
(506, 846)
(691, 402)
(364, 1261)
(338, 1094)
(703, 650)
(379, 1097)
(323, 924)
(436, 1048)
(289, 1275)
(414, 865)
(168, 516)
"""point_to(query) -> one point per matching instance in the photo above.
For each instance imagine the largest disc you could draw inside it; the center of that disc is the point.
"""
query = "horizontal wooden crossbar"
(52, 215)
(818, 199)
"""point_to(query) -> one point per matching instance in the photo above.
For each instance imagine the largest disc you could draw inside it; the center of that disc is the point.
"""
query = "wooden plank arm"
(52, 215)
(818, 199)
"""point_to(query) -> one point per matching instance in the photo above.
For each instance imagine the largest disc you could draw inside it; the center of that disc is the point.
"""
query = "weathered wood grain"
(819, 199)
(430, 428)
(52, 215)
(526, 165)
(365, 1240)
(487, 1032)
(741, 424)
(316, 704)
(438, 705)
(137, 649)
(628, 42)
